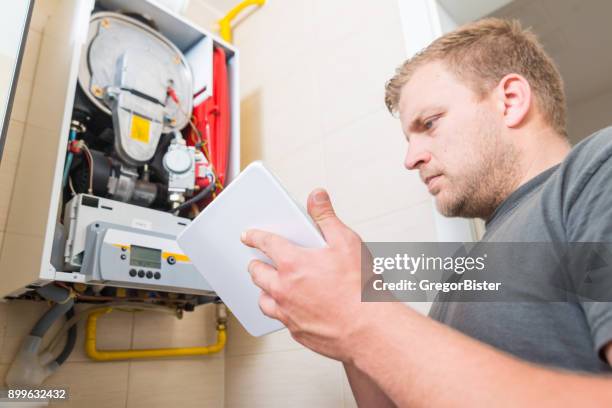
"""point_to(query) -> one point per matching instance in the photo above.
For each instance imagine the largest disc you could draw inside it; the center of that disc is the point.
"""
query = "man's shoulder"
(593, 149)
(588, 166)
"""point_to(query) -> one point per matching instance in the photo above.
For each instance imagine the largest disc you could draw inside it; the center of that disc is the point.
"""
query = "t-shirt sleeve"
(589, 222)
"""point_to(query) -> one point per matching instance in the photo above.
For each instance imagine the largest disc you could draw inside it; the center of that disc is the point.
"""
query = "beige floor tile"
(241, 343)
(195, 382)
(284, 379)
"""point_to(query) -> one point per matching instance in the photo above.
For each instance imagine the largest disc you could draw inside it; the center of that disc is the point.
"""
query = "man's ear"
(607, 352)
(514, 97)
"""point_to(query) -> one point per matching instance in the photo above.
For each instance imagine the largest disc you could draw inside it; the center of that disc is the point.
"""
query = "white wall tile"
(284, 379)
(412, 224)
(335, 20)
(8, 167)
(197, 328)
(41, 12)
(18, 316)
(241, 343)
(92, 384)
(364, 165)
(351, 74)
(301, 172)
(21, 101)
(195, 382)
(203, 15)
(30, 56)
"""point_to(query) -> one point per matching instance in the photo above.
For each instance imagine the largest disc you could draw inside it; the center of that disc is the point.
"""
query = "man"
(484, 113)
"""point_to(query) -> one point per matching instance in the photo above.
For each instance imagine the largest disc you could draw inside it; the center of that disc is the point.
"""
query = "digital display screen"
(145, 257)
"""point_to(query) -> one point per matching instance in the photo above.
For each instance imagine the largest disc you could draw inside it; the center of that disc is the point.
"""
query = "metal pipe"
(111, 355)
(225, 24)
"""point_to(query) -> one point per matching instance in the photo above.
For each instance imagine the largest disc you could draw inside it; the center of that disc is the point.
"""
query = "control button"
(141, 273)
(149, 274)
(157, 275)
(123, 257)
(123, 249)
(171, 260)
(133, 272)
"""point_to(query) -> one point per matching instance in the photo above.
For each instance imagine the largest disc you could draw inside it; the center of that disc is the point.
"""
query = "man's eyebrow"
(417, 120)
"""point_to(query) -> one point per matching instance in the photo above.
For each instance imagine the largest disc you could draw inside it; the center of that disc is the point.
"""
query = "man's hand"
(316, 293)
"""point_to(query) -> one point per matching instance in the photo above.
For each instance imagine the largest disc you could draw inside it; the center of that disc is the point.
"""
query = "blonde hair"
(482, 53)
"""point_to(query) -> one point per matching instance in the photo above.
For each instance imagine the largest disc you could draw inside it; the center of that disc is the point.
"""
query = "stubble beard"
(487, 183)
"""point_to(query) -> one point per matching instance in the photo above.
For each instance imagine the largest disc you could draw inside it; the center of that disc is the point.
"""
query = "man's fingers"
(272, 245)
(268, 306)
(263, 275)
(322, 212)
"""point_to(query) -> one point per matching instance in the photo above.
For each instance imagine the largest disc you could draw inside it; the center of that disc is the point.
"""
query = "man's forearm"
(366, 392)
(418, 362)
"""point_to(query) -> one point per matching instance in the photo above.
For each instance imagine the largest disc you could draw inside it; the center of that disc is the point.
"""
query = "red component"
(73, 147)
(202, 182)
(201, 173)
(212, 118)
(172, 94)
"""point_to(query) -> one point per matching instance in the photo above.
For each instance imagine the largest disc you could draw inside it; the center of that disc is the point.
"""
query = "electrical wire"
(72, 190)
(202, 194)
(195, 210)
(91, 166)
(204, 147)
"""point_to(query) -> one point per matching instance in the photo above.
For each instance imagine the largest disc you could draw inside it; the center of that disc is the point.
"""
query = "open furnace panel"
(133, 129)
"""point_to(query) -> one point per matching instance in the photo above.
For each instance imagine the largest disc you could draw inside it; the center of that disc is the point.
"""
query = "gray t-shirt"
(571, 202)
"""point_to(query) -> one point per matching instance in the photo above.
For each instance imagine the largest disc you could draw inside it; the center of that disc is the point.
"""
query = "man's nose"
(416, 155)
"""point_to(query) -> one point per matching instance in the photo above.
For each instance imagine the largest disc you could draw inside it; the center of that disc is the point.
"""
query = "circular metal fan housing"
(123, 52)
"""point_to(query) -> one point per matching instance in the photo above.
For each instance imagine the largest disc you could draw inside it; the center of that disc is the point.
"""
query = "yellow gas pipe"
(111, 355)
(225, 24)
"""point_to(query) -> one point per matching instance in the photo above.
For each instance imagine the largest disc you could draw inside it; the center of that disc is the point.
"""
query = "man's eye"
(429, 123)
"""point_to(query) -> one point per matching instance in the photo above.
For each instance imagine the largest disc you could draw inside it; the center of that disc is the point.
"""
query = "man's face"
(456, 141)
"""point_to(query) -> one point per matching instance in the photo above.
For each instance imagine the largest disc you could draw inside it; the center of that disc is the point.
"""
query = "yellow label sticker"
(140, 129)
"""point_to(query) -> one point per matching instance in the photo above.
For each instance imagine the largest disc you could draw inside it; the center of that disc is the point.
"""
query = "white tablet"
(255, 199)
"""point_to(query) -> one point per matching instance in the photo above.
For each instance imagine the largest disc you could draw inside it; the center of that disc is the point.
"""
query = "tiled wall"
(187, 382)
(312, 84)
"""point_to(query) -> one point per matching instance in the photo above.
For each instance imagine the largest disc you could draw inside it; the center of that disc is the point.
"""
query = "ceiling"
(577, 34)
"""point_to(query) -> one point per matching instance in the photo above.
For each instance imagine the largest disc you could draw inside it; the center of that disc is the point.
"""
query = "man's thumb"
(322, 212)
